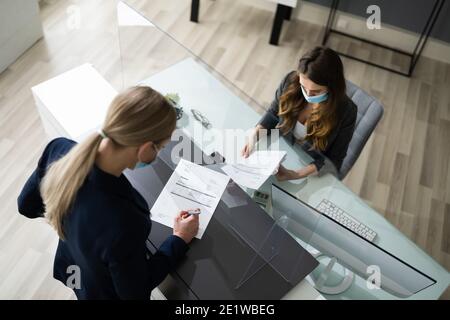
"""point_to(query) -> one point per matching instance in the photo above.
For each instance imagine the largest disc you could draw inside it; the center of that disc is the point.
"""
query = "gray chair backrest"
(370, 112)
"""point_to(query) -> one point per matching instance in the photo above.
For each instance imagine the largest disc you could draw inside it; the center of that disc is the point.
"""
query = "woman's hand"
(248, 149)
(284, 174)
(186, 226)
(287, 174)
(250, 145)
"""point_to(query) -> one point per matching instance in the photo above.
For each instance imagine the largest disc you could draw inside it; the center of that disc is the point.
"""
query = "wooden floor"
(403, 172)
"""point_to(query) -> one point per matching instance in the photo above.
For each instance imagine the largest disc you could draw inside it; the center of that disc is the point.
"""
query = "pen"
(193, 211)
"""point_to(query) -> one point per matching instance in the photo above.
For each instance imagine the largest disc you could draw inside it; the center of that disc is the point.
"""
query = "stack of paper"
(189, 187)
(253, 171)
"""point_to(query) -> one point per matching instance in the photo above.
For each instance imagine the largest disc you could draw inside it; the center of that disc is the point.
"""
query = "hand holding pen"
(186, 224)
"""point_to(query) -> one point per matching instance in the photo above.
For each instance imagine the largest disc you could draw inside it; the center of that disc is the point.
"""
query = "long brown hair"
(136, 116)
(324, 67)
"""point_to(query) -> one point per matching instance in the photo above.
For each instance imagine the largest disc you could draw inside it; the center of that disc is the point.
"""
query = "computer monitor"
(351, 250)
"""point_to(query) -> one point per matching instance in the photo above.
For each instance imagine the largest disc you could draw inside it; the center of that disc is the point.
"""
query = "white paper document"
(189, 187)
(253, 171)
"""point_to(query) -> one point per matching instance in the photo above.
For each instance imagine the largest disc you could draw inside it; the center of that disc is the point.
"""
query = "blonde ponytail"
(65, 177)
(136, 116)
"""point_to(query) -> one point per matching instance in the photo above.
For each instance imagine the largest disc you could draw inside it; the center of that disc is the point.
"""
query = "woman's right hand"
(247, 150)
(250, 145)
(186, 226)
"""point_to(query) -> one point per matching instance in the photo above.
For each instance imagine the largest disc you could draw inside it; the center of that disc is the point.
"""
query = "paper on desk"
(190, 186)
(253, 171)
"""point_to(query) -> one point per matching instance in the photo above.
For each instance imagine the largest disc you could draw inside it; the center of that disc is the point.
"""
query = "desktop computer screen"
(350, 249)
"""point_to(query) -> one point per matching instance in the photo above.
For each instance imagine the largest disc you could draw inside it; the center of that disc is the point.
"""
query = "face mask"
(315, 99)
(141, 164)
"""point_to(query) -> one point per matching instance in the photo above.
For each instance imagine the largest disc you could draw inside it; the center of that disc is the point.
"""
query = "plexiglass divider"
(207, 100)
(149, 53)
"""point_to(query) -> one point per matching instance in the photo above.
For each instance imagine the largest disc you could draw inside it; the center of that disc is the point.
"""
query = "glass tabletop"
(218, 116)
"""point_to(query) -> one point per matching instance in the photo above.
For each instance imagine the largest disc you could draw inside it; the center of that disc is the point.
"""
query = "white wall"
(20, 28)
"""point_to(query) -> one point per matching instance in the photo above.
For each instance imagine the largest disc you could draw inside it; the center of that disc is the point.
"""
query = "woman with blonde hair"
(311, 107)
(101, 220)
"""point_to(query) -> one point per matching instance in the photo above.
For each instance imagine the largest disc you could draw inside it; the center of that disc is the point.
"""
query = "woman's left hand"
(287, 174)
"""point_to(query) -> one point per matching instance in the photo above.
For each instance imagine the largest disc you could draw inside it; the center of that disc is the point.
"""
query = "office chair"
(370, 112)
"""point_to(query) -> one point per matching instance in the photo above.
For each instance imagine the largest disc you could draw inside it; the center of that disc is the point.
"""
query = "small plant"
(174, 99)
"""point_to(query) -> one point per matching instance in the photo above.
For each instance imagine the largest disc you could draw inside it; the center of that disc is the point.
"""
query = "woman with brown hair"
(311, 106)
(102, 221)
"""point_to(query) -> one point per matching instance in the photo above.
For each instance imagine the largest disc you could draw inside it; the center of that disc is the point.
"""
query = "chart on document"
(189, 187)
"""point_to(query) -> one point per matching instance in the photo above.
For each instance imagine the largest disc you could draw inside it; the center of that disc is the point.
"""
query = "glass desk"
(149, 56)
(152, 57)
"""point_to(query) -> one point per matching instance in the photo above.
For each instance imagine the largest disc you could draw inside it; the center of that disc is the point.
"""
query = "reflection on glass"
(150, 56)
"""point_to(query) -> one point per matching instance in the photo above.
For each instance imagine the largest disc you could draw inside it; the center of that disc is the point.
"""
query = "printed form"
(253, 171)
(190, 186)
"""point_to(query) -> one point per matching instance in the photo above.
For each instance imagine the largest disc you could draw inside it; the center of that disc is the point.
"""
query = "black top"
(106, 231)
(339, 138)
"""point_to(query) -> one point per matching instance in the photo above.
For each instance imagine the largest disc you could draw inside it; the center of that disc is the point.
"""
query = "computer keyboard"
(334, 212)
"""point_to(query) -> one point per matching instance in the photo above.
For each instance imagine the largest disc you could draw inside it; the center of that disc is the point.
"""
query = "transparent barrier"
(215, 115)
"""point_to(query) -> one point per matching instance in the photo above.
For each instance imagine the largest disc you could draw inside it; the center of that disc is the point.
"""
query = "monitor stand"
(320, 281)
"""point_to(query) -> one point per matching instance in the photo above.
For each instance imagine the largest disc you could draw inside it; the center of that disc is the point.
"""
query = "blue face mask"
(141, 164)
(315, 99)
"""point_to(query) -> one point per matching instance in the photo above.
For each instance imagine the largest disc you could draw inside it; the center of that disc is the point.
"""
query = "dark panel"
(407, 14)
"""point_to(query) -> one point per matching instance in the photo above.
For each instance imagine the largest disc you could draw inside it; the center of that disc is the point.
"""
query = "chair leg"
(280, 15)
(195, 7)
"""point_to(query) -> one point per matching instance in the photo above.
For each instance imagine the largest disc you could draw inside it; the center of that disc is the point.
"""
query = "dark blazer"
(106, 231)
(339, 137)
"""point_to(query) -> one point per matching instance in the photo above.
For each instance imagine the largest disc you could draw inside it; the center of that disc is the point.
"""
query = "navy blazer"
(106, 230)
(339, 138)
